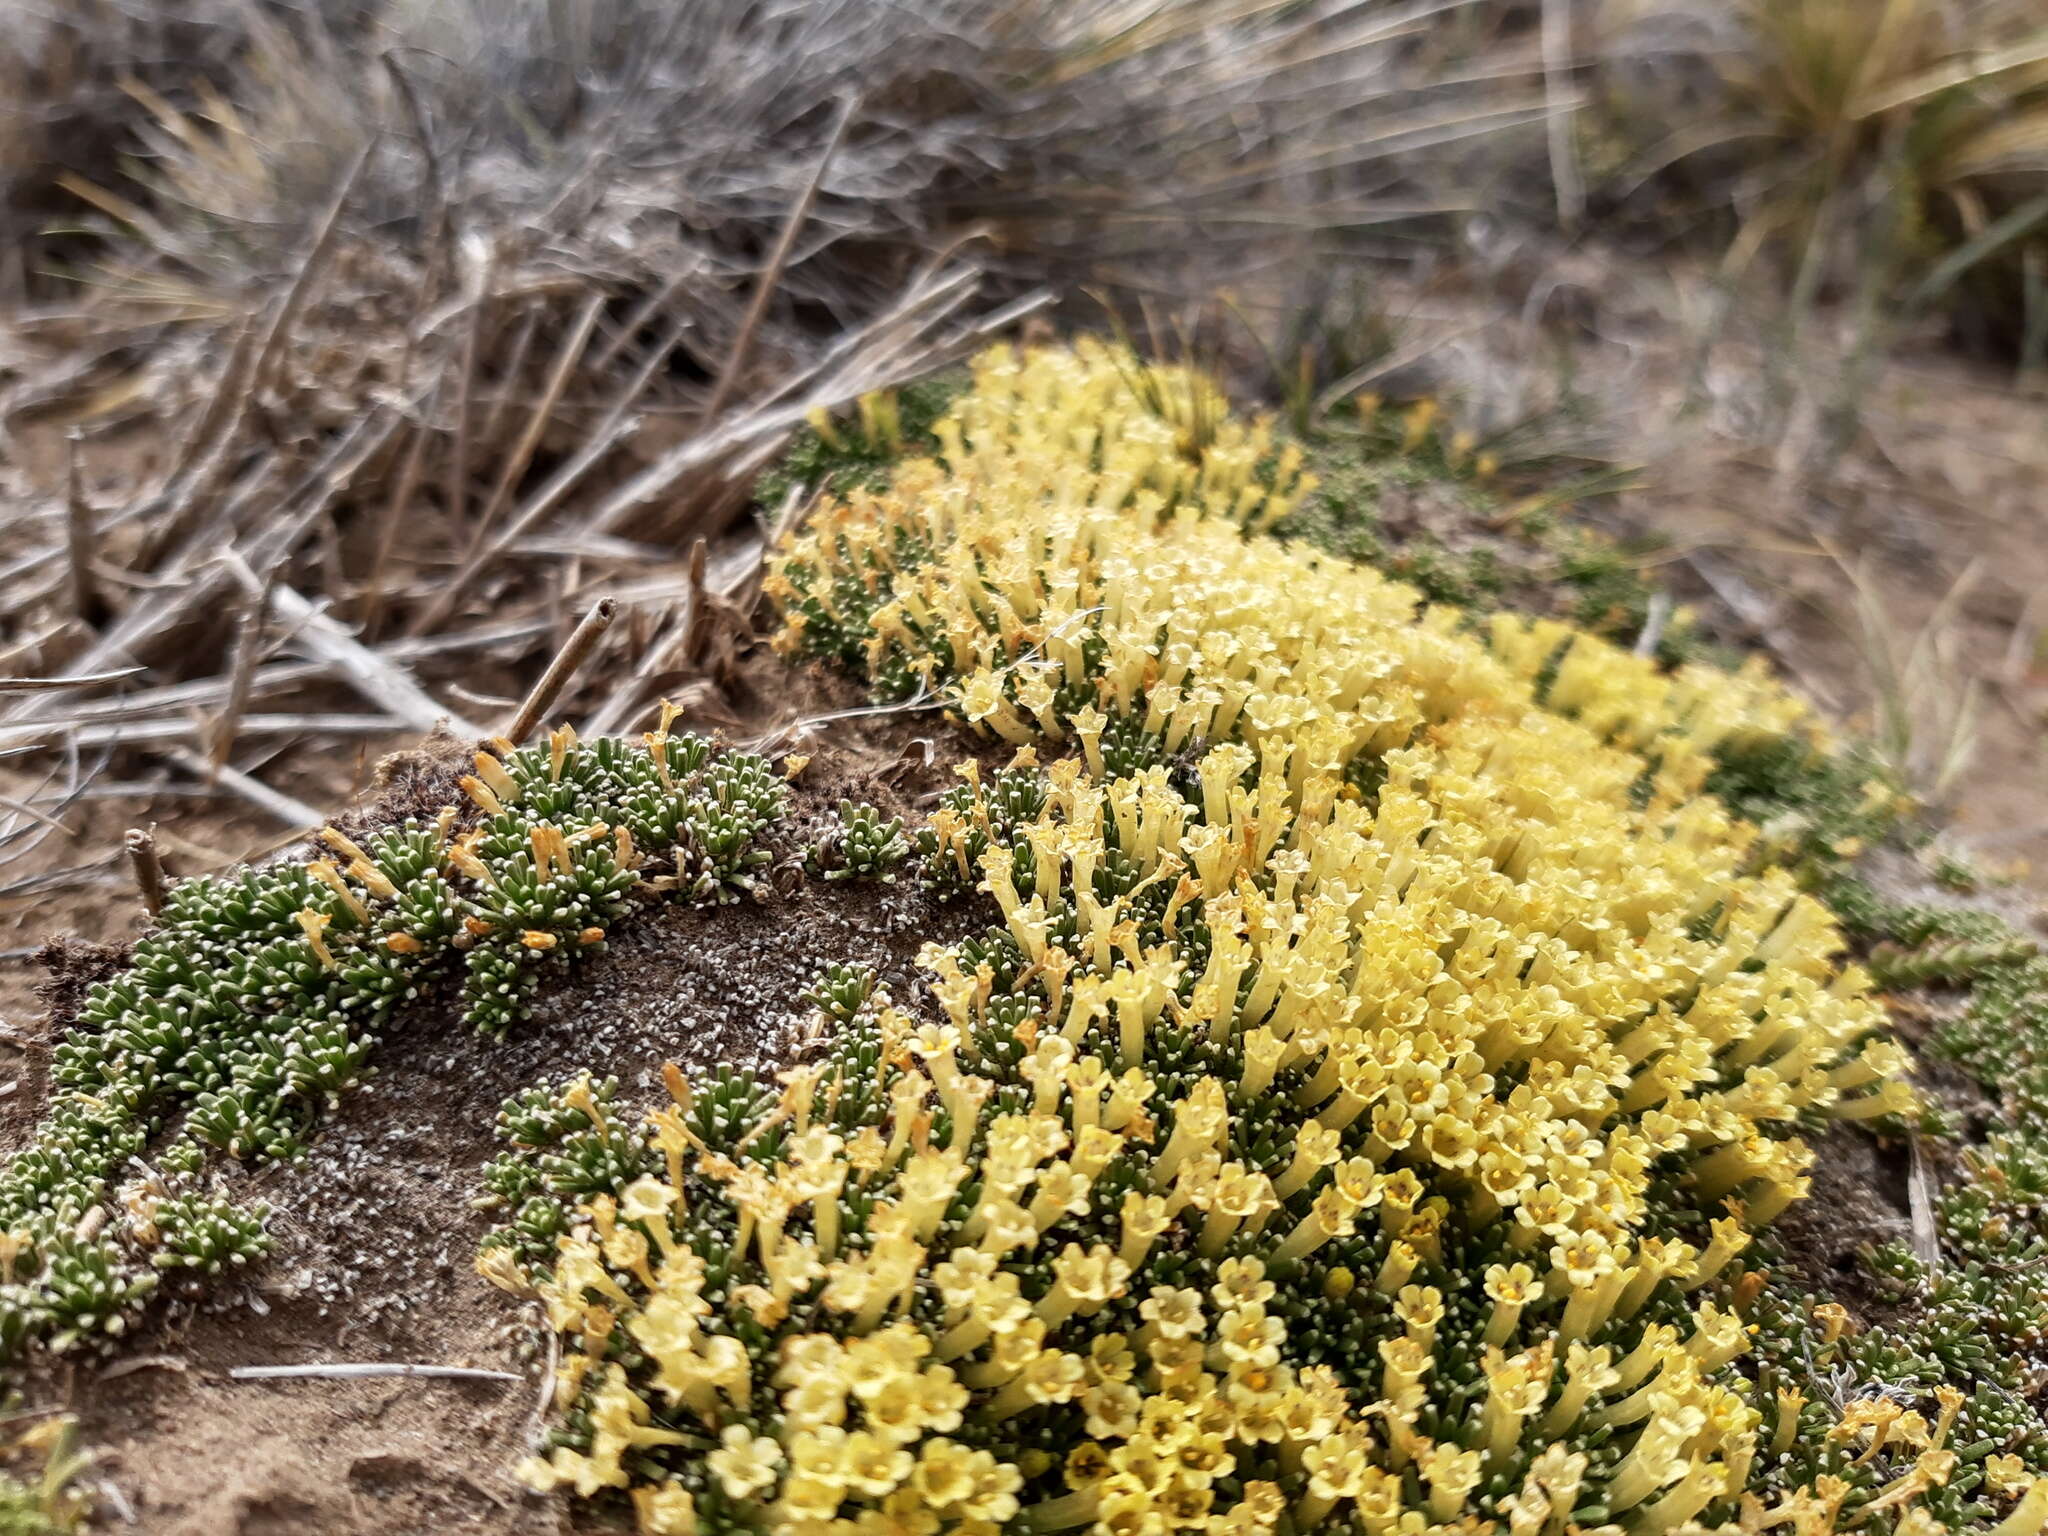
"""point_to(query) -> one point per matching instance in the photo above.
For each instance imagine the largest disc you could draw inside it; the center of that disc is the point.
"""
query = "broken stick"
(562, 668)
(149, 868)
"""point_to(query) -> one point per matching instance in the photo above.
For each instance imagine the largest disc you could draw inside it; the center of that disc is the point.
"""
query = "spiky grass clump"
(862, 844)
(1353, 1121)
(255, 1000)
(1895, 150)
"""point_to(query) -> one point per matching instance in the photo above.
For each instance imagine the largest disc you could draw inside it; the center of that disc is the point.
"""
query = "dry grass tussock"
(368, 315)
(1889, 153)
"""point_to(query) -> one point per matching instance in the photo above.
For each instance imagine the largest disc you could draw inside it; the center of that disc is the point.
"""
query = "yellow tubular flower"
(1588, 1373)
(1510, 1287)
(314, 926)
(1342, 942)
(665, 1509)
(1515, 1388)
(1451, 1474)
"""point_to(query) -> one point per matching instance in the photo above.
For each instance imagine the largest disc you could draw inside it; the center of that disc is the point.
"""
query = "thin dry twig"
(41, 818)
(772, 740)
(1566, 183)
(567, 660)
(295, 814)
(317, 253)
(185, 498)
(137, 1363)
(98, 871)
(377, 678)
(862, 361)
(86, 599)
(433, 187)
(53, 684)
(699, 617)
(281, 676)
(149, 733)
(400, 502)
(708, 595)
(1920, 1191)
(512, 377)
(222, 404)
(642, 316)
(110, 1493)
(617, 425)
(549, 1368)
(778, 259)
(566, 358)
(153, 620)
(455, 489)
(457, 586)
(241, 673)
(1654, 620)
(18, 843)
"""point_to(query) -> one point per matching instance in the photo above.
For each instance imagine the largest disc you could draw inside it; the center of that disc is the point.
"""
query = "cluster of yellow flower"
(1263, 1041)
(1073, 555)
(1354, 1123)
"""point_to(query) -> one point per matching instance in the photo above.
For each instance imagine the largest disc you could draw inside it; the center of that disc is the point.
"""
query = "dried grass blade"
(322, 246)
(771, 275)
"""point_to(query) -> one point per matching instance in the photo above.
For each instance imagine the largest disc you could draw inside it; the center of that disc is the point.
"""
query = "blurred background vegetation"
(442, 320)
